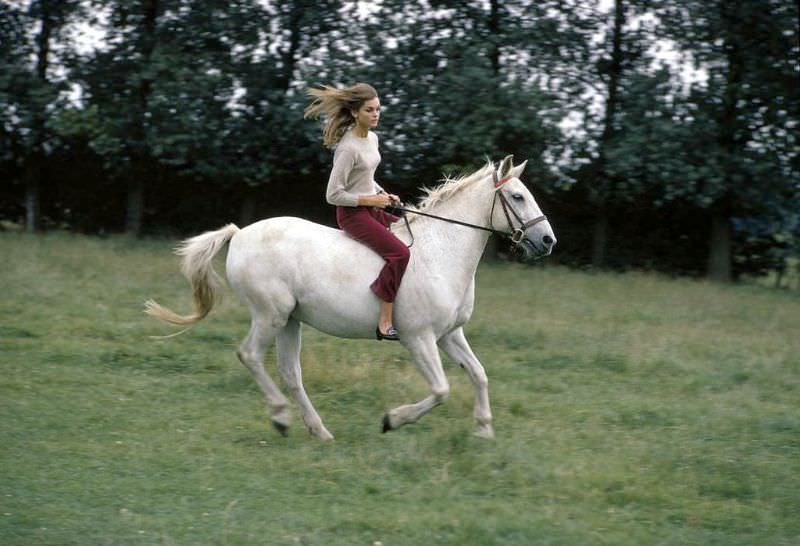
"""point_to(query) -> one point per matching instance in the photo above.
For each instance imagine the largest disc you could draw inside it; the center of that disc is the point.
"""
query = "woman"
(351, 113)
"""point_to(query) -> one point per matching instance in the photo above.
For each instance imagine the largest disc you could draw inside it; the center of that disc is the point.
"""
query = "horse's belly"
(356, 321)
(335, 298)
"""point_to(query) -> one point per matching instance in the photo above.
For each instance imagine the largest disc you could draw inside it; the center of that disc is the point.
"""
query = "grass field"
(630, 409)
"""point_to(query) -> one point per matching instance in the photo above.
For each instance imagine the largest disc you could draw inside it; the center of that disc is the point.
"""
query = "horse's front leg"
(426, 357)
(455, 344)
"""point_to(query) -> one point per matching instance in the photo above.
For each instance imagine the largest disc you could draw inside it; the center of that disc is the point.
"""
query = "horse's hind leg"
(288, 347)
(251, 354)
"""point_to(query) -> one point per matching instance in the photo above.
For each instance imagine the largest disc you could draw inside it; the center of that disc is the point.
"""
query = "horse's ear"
(516, 171)
(506, 165)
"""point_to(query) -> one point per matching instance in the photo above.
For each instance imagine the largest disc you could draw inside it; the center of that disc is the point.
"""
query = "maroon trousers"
(369, 225)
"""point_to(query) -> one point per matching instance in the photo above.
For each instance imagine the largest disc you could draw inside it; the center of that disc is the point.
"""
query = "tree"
(749, 110)
(204, 90)
(194, 130)
(621, 60)
(29, 93)
(299, 44)
(119, 81)
(451, 99)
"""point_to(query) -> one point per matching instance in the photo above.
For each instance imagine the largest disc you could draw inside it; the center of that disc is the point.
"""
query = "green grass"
(629, 409)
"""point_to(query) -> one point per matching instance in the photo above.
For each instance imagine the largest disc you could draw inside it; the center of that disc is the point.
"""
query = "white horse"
(289, 271)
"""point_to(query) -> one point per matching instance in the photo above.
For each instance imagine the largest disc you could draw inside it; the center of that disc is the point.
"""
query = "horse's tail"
(197, 266)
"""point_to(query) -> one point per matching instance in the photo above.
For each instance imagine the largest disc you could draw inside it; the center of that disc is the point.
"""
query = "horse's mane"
(448, 188)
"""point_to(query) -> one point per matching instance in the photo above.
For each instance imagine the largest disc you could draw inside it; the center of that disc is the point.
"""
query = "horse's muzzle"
(527, 251)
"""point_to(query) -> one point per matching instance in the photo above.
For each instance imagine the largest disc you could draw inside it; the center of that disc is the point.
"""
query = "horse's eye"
(517, 197)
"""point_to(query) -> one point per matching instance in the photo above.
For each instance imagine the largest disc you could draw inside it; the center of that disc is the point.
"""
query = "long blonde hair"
(337, 105)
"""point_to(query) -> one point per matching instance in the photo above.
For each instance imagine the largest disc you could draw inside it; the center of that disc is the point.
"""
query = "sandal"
(391, 334)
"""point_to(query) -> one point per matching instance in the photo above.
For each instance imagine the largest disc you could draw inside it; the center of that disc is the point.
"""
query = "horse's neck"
(457, 250)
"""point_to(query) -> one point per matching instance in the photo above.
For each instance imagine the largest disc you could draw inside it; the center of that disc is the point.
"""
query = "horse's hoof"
(484, 431)
(321, 433)
(387, 425)
(280, 427)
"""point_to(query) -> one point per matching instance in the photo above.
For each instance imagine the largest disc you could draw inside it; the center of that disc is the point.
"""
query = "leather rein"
(517, 235)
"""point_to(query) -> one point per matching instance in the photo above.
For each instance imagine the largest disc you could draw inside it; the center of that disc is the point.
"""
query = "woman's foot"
(385, 330)
(389, 334)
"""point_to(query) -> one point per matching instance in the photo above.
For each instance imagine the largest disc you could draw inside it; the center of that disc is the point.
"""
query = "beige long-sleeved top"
(353, 174)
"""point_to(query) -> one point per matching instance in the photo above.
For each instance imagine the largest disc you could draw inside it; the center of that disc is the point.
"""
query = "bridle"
(516, 235)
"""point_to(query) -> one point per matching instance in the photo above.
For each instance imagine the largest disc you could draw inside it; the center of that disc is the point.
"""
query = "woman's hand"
(380, 200)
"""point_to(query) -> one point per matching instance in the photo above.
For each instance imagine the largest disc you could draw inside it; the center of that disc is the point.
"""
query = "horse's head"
(515, 211)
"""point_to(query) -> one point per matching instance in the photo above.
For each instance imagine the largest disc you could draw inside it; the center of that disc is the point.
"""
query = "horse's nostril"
(547, 240)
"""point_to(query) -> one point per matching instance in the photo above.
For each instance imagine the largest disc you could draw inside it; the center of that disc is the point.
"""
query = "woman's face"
(368, 115)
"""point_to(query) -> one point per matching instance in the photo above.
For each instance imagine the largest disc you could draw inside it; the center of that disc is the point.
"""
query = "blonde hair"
(337, 106)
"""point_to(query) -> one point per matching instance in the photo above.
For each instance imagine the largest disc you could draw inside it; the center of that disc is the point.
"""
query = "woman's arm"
(343, 162)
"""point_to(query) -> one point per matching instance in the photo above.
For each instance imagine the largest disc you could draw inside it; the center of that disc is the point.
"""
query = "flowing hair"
(337, 106)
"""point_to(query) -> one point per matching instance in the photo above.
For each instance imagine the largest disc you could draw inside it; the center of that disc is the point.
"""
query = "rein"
(516, 236)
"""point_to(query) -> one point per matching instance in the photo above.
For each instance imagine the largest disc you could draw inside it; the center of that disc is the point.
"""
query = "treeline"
(659, 134)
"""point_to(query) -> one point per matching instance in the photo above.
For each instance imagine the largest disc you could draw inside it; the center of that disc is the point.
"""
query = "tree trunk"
(135, 207)
(33, 178)
(719, 257)
(604, 184)
(494, 36)
(32, 200)
(492, 251)
(615, 71)
(600, 238)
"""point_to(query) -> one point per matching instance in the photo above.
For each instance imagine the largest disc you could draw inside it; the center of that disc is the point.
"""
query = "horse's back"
(292, 240)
